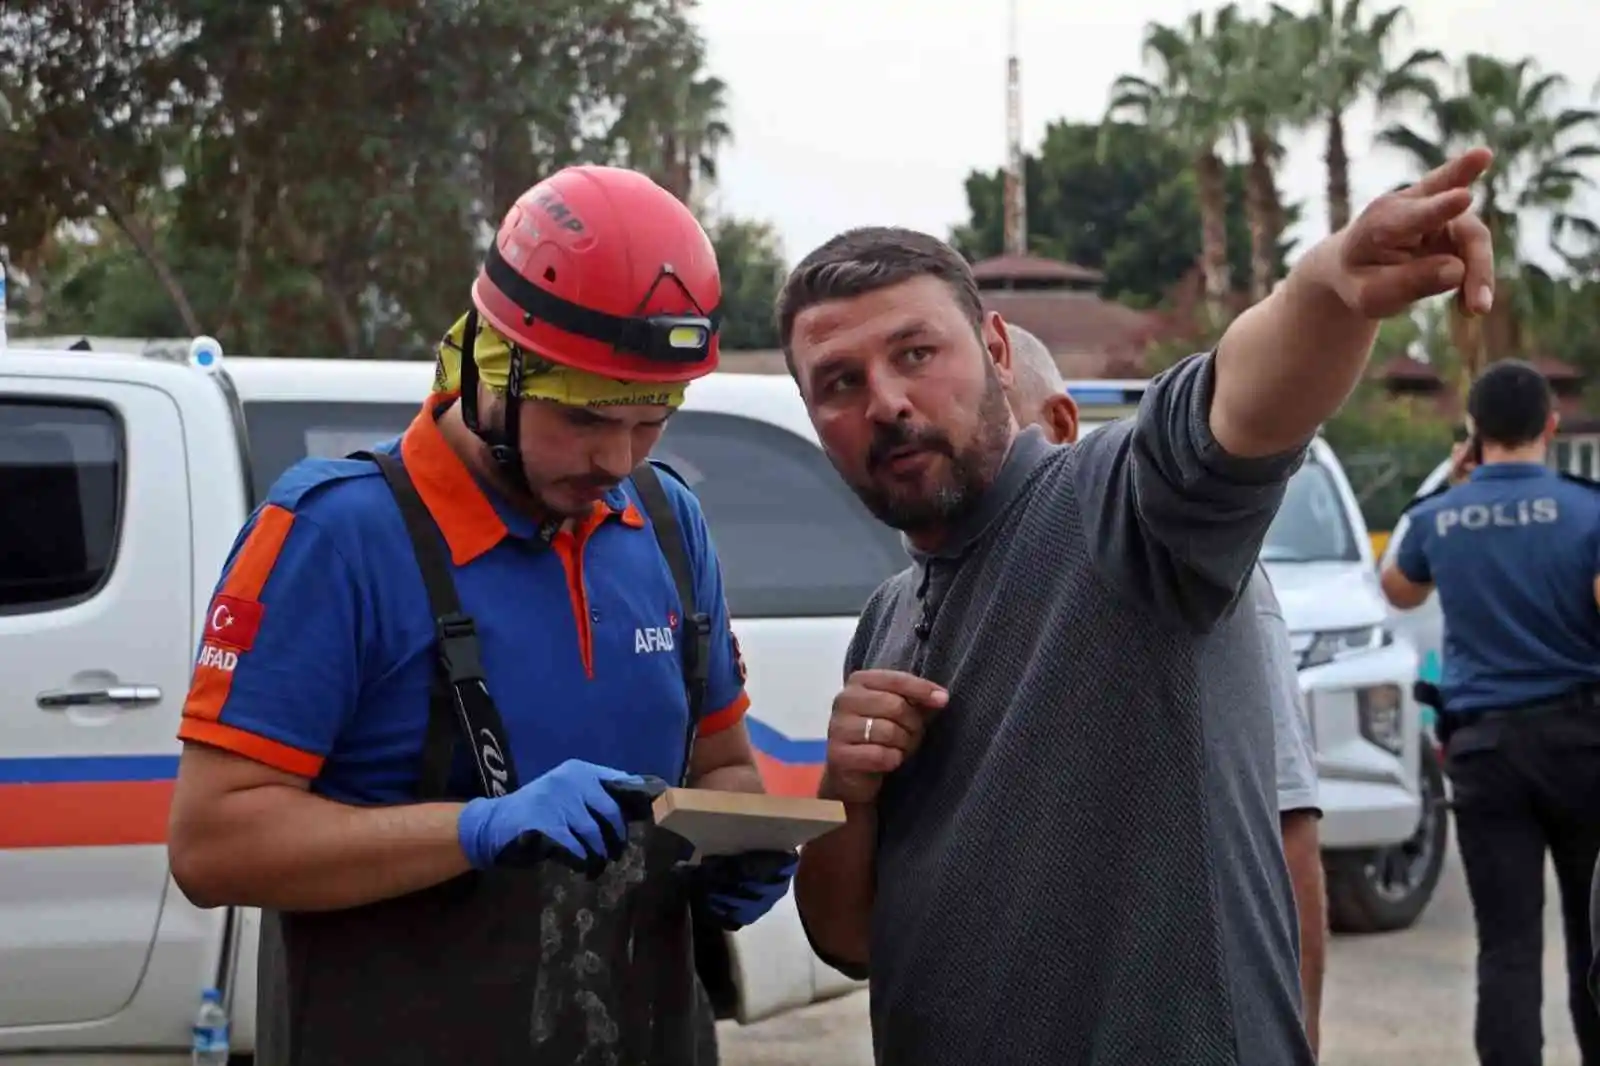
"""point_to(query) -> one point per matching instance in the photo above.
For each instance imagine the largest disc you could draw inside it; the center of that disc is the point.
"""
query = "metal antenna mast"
(1016, 193)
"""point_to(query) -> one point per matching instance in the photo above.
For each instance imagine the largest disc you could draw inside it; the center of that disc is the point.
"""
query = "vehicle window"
(283, 432)
(1312, 525)
(793, 539)
(60, 502)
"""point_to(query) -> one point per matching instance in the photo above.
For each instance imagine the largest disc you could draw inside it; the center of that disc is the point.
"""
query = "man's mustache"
(891, 437)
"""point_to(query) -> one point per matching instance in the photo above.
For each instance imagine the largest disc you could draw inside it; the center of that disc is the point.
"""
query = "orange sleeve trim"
(252, 746)
(727, 717)
(252, 566)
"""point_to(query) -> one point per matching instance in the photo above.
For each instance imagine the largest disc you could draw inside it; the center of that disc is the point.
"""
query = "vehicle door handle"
(112, 695)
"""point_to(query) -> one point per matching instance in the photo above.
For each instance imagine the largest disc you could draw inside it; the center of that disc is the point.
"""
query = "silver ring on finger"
(866, 735)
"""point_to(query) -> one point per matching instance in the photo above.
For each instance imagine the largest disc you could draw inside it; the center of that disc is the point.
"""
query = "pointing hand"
(1417, 242)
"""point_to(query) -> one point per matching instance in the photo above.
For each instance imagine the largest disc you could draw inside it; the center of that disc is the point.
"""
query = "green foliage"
(753, 270)
(1124, 205)
(1387, 446)
(307, 178)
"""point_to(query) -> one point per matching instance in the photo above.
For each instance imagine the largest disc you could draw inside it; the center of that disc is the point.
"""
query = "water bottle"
(210, 1046)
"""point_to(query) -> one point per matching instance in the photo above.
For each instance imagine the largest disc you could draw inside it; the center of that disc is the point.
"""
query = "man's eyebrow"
(908, 332)
(827, 364)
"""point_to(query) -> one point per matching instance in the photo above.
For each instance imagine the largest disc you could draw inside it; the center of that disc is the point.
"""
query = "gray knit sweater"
(1082, 865)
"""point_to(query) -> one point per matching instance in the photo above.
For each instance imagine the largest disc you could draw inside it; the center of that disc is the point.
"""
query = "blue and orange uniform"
(393, 630)
(318, 654)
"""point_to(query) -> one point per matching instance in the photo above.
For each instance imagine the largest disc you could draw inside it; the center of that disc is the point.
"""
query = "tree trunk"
(1210, 178)
(144, 242)
(344, 319)
(1260, 195)
(127, 220)
(1338, 161)
(242, 260)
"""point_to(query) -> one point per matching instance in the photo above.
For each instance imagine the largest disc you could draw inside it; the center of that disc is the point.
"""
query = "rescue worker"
(441, 682)
(1513, 549)
(1038, 396)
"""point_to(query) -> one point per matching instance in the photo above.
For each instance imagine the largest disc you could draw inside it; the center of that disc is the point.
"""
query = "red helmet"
(601, 269)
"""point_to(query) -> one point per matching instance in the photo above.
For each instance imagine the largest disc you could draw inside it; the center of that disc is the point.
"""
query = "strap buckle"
(458, 647)
(699, 648)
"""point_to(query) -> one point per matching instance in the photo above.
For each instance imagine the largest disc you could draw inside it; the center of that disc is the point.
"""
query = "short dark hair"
(1510, 403)
(866, 259)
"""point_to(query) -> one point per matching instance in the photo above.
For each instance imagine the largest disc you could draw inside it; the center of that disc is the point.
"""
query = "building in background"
(1577, 449)
(1060, 303)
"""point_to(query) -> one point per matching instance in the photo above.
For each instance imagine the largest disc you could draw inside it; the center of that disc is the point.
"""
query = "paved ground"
(1403, 998)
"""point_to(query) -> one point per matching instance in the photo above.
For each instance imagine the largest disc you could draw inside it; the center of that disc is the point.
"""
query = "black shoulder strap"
(460, 705)
(695, 648)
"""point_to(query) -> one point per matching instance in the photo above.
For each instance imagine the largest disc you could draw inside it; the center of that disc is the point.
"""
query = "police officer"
(1514, 551)
(441, 682)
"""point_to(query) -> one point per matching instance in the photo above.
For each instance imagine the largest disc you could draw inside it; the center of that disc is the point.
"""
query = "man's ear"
(1551, 425)
(997, 341)
(1060, 418)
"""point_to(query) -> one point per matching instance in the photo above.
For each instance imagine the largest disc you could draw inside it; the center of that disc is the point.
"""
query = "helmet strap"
(504, 447)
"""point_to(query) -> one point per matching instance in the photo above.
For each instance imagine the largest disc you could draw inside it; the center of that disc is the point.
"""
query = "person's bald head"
(1038, 393)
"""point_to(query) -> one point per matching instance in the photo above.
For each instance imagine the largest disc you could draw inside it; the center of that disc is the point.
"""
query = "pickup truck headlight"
(1331, 644)
(1381, 716)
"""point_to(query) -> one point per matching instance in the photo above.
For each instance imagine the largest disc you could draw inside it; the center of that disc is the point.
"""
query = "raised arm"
(1177, 500)
(1288, 363)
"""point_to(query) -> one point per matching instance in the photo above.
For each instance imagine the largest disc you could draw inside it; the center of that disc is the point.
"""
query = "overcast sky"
(848, 112)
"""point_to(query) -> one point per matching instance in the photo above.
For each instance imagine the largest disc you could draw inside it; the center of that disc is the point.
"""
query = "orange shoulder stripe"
(252, 566)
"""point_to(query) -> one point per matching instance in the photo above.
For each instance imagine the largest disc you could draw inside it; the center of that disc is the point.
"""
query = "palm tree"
(1541, 153)
(1184, 99)
(674, 123)
(1266, 60)
(1349, 58)
(701, 131)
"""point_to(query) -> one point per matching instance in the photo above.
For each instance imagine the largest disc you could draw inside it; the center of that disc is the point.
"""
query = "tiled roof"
(1090, 337)
(1405, 368)
(1031, 268)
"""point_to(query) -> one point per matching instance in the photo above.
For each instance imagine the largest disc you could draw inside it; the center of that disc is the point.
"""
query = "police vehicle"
(1385, 823)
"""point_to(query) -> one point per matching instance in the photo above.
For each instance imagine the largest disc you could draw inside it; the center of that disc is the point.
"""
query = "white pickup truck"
(1385, 824)
(124, 478)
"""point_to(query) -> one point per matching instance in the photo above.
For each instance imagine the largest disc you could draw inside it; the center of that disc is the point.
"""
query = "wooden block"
(725, 823)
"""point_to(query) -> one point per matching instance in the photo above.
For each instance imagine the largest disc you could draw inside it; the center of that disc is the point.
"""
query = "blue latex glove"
(576, 814)
(738, 889)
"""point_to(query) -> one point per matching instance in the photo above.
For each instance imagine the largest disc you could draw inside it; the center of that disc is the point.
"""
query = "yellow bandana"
(541, 379)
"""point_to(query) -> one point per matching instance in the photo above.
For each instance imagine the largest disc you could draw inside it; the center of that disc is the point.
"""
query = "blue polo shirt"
(1514, 553)
(318, 650)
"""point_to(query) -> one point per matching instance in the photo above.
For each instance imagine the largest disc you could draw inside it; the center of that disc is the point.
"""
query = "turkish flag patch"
(233, 622)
